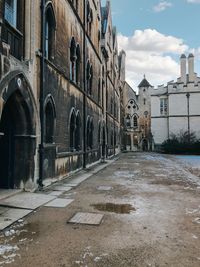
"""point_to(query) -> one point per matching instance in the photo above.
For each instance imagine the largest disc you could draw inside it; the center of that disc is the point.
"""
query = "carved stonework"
(4, 59)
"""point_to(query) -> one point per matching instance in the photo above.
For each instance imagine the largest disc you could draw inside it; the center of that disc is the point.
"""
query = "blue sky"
(164, 30)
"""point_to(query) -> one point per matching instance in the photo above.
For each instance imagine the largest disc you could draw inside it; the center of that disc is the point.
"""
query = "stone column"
(27, 29)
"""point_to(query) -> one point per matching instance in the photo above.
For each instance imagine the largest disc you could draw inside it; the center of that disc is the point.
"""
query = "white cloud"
(152, 53)
(161, 6)
(194, 1)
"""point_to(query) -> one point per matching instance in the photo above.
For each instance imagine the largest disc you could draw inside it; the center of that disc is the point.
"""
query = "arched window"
(115, 139)
(89, 18)
(78, 132)
(91, 133)
(111, 138)
(49, 122)
(90, 130)
(78, 61)
(128, 121)
(99, 91)
(73, 60)
(50, 25)
(89, 76)
(91, 80)
(99, 133)
(72, 130)
(135, 121)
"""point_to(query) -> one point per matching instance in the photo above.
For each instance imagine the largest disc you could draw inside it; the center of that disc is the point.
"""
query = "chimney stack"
(191, 67)
(183, 68)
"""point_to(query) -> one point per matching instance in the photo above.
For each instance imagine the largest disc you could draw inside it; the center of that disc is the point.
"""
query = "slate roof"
(144, 83)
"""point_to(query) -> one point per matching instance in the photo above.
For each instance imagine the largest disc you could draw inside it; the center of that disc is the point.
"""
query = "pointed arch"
(72, 125)
(78, 62)
(77, 144)
(135, 120)
(50, 27)
(49, 119)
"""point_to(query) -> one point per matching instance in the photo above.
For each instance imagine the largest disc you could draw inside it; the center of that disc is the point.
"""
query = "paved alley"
(150, 216)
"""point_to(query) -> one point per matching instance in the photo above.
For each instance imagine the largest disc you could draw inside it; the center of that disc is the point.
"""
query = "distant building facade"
(175, 107)
(137, 117)
(60, 89)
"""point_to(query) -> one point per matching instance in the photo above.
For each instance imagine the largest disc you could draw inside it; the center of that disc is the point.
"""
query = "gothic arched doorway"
(17, 140)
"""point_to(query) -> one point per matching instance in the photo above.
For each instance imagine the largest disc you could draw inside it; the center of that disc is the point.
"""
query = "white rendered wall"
(177, 124)
(194, 103)
(177, 104)
(195, 126)
(155, 106)
(159, 130)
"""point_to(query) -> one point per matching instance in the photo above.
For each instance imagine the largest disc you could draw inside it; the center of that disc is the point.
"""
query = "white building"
(176, 107)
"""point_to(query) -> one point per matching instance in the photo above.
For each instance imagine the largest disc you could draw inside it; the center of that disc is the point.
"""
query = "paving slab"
(4, 193)
(26, 200)
(86, 218)
(55, 193)
(82, 178)
(59, 203)
(63, 188)
(9, 216)
(71, 184)
(104, 188)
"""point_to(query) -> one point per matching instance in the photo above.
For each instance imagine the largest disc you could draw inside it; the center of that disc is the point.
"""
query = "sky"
(154, 34)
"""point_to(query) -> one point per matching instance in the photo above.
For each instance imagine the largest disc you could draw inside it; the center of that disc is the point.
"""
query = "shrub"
(183, 143)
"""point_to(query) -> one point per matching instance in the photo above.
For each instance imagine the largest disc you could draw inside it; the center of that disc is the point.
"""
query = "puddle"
(116, 208)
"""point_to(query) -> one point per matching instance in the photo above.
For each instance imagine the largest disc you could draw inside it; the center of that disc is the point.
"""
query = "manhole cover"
(86, 218)
(116, 208)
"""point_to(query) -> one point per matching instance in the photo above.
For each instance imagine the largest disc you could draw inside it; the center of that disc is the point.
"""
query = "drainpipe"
(42, 84)
(84, 90)
(188, 114)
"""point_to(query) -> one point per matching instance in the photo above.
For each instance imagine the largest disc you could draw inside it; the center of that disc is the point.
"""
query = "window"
(144, 101)
(128, 121)
(78, 132)
(135, 121)
(78, 61)
(163, 106)
(49, 32)
(89, 77)
(75, 131)
(14, 16)
(49, 122)
(115, 139)
(90, 130)
(111, 138)
(89, 19)
(73, 60)
(11, 12)
(72, 130)
(99, 91)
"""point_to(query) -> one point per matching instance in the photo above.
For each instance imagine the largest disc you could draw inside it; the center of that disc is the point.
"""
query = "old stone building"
(137, 117)
(175, 107)
(59, 89)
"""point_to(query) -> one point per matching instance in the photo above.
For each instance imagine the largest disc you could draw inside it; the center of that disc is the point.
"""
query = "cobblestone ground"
(151, 208)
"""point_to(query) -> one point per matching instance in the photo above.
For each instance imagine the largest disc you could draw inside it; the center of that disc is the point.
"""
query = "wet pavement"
(151, 217)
